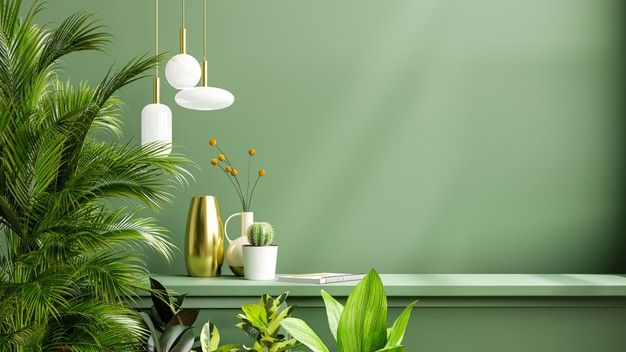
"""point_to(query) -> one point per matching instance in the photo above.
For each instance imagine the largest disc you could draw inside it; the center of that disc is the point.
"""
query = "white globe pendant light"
(156, 118)
(204, 97)
(183, 70)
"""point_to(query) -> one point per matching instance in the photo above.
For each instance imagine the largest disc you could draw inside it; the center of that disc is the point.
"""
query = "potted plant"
(70, 255)
(259, 257)
(360, 325)
(234, 254)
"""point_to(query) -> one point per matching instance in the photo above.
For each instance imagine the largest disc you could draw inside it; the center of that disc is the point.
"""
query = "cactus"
(260, 234)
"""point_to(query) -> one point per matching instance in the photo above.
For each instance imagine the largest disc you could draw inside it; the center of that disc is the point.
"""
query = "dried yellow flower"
(214, 161)
(234, 172)
(229, 168)
(251, 151)
(222, 157)
(212, 142)
(261, 172)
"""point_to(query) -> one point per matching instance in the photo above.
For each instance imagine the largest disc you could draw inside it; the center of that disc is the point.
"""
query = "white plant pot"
(260, 262)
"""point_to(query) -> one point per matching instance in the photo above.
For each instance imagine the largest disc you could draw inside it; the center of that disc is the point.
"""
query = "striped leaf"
(333, 311)
(362, 326)
(303, 333)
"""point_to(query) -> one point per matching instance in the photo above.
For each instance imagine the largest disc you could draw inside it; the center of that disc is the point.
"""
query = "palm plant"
(69, 259)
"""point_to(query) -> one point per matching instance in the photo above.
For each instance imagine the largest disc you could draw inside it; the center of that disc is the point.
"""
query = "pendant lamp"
(156, 118)
(204, 97)
(183, 70)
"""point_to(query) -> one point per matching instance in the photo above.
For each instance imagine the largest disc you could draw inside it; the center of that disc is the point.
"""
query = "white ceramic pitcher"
(234, 254)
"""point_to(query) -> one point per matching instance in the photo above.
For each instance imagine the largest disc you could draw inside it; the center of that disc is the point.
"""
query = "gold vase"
(204, 239)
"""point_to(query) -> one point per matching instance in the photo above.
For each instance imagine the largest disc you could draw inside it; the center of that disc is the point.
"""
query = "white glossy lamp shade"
(156, 125)
(204, 98)
(182, 71)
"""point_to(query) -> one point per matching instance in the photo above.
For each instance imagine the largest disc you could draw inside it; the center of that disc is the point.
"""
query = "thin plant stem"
(253, 188)
(248, 185)
(245, 206)
(241, 199)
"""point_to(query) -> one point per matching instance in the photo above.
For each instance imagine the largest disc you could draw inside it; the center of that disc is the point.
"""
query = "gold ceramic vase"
(204, 239)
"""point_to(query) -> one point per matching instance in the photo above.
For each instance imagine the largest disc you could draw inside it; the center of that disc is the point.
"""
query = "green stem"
(248, 185)
(253, 188)
(241, 199)
(238, 186)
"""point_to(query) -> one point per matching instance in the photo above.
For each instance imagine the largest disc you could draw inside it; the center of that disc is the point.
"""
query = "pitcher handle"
(226, 226)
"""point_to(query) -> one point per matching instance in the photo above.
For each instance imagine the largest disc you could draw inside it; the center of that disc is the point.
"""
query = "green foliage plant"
(360, 326)
(210, 340)
(69, 259)
(260, 234)
(171, 327)
(262, 321)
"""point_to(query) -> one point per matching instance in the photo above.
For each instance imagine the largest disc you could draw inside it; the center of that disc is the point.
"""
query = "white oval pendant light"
(183, 70)
(156, 118)
(204, 97)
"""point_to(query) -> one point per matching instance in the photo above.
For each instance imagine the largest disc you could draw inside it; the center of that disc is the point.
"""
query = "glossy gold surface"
(205, 78)
(156, 90)
(183, 41)
(204, 238)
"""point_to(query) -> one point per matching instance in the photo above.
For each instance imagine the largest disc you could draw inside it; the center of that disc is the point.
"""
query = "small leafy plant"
(360, 326)
(260, 234)
(170, 325)
(262, 322)
(210, 340)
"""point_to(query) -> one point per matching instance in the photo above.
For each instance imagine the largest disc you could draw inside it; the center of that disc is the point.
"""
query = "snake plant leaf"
(185, 342)
(396, 334)
(362, 326)
(256, 315)
(398, 348)
(209, 337)
(185, 317)
(249, 329)
(333, 312)
(171, 335)
(227, 348)
(303, 333)
(153, 332)
(177, 302)
(273, 304)
(161, 300)
(157, 319)
(285, 345)
(275, 323)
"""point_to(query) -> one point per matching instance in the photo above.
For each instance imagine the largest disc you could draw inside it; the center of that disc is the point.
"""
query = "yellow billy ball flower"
(251, 151)
(234, 172)
(261, 172)
(214, 161)
(212, 142)
(229, 169)
(222, 157)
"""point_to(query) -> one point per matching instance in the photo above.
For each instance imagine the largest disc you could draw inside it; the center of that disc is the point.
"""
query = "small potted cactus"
(259, 257)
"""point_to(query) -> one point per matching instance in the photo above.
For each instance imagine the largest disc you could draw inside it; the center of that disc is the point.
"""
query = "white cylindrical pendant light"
(204, 97)
(183, 70)
(156, 118)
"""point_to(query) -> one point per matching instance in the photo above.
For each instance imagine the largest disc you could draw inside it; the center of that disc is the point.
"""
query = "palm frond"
(70, 260)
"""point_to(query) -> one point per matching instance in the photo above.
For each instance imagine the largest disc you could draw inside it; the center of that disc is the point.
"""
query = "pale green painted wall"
(406, 135)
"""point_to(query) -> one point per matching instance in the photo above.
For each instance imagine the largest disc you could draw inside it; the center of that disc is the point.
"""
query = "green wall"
(406, 135)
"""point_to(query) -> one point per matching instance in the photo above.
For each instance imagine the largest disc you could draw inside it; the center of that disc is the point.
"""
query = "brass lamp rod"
(183, 30)
(204, 37)
(156, 86)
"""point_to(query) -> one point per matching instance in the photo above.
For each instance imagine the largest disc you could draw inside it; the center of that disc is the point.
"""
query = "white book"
(322, 278)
